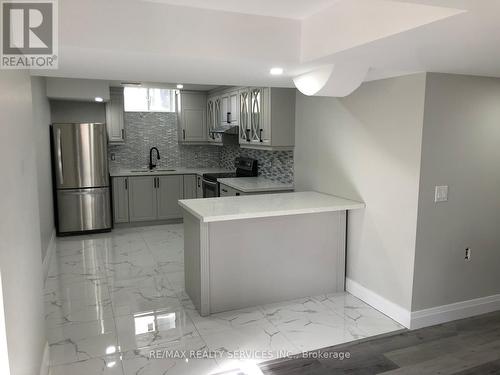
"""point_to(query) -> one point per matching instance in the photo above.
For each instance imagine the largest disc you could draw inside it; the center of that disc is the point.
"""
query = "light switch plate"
(441, 194)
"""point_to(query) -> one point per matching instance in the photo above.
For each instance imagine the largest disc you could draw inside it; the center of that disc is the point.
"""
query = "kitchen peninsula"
(256, 249)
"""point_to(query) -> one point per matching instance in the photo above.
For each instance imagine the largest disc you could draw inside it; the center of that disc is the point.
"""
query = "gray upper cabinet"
(169, 191)
(190, 187)
(114, 116)
(244, 122)
(142, 198)
(229, 108)
(120, 200)
(267, 118)
(192, 117)
(213, 118)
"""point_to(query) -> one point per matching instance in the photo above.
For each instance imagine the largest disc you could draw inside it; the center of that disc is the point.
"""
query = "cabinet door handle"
(183, 133)
(154, 182)
(157, 182)
(126, 184)
(224, 190)
(228, 117)
(260, 135)
(237, 194)
(123, 134)
(248, 134)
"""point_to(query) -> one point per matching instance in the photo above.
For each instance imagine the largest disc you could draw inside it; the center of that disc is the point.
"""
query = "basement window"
(142, 99)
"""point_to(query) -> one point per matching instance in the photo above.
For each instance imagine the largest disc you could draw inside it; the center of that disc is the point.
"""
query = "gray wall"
(20, 265)
(461, 148)
(75, 111)
(41, 121)
(367, 147)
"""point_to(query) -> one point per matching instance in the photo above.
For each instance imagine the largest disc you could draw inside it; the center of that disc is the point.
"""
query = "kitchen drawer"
(227, 191)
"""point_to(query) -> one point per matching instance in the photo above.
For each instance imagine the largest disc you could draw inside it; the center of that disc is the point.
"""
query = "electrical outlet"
(441, 194)
(467, 253)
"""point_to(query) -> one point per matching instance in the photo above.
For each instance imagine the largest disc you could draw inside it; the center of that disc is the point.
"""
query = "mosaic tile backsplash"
(147, 129)
(159, 129)
(274, 165)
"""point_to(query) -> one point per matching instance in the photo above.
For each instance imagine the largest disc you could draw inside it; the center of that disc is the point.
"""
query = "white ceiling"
(151, 41)
(296, 9)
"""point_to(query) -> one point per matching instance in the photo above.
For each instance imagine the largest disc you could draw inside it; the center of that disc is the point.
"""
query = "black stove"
(245, 167)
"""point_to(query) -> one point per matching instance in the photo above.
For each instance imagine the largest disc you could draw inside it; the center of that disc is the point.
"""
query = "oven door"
(210, 189)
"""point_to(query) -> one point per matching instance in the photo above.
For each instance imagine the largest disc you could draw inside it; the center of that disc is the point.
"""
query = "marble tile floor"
(115, 304)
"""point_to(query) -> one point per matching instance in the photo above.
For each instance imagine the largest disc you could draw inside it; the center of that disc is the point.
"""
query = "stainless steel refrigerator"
(81, 178)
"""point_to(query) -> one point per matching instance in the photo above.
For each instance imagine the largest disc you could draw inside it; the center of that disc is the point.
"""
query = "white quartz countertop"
(254, 184)
(266, 205)
(164, 171)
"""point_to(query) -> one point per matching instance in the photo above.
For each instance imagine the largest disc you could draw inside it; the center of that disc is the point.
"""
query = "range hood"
(225, 129)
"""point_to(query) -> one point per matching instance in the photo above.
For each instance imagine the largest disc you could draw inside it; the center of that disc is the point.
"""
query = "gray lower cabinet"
(199, 187)
(120, 200)
(150, 198)
(169, 191)
(190, 190)
(142, 195)
(227, 191)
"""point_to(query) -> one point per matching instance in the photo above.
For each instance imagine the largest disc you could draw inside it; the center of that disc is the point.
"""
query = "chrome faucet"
(151, 165)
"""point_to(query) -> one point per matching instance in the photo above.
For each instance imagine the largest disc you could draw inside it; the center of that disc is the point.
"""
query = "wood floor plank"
(490, 368)
(465, 347)
(294, 367)
(437, 348)
(366, 365)
(461, 360)
(389, 342)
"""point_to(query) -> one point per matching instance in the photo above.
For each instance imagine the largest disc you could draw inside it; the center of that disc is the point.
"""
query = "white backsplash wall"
(144, 130)
(274, 165)
(148, 129)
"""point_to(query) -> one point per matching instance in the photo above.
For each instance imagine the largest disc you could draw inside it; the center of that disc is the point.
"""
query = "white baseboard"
(426, 317)
(51, 248)
(44, 366)
(454, 311)
(392, 310)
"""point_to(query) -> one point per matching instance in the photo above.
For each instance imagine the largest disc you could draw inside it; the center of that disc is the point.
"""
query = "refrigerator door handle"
(60, 167)
(104, 155)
